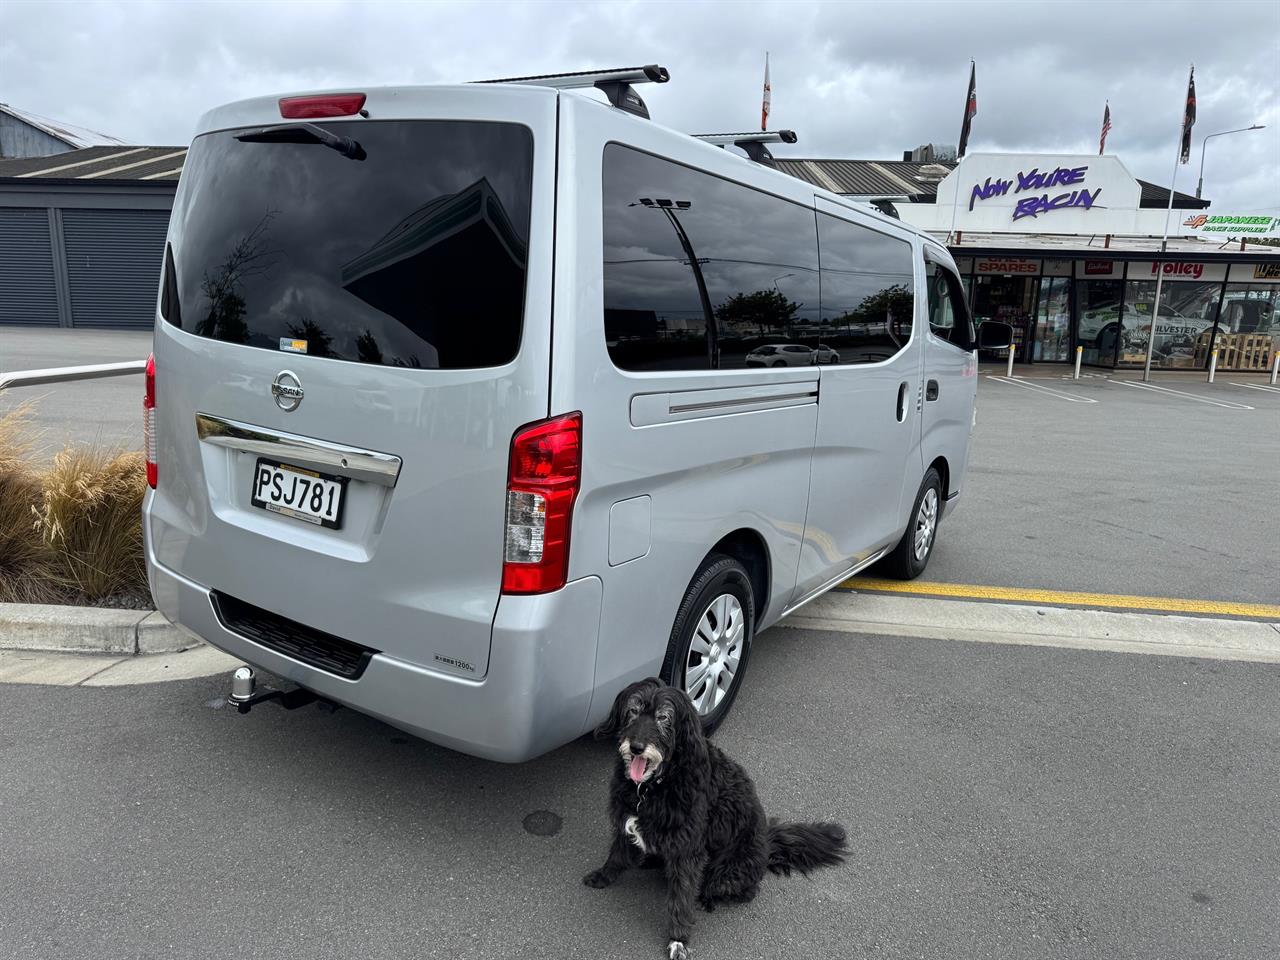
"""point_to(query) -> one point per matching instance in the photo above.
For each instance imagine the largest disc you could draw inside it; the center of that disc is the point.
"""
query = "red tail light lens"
(324, 105)
(542, 484)
(149, 423)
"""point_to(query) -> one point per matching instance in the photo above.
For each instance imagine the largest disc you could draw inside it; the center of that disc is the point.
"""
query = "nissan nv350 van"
(451, 419)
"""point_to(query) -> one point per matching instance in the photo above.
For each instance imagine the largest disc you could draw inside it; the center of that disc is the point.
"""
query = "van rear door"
(357, 309)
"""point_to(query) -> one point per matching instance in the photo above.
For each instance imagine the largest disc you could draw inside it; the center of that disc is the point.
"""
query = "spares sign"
(1006, 265)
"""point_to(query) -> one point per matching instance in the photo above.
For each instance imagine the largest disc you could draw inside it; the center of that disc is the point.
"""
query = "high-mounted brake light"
(149, 423)
(542, 484)
(322, 105)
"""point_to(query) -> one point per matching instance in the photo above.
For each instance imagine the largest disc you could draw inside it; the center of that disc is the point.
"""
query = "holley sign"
(1150, 270)
(1040, 182)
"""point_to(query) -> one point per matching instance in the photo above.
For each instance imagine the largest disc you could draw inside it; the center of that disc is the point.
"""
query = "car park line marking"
(1255, 386)
(1225, 404)
(1069, 397)
(1071, 598)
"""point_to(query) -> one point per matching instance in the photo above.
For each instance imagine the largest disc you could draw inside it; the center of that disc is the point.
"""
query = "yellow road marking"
(967, 591)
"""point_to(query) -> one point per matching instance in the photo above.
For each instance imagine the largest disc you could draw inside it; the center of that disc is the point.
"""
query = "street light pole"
(1205, 142)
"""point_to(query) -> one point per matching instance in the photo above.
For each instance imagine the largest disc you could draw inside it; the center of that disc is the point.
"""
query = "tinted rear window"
(413, 256)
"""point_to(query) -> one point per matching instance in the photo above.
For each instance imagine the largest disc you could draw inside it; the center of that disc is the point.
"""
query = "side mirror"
(994, 335)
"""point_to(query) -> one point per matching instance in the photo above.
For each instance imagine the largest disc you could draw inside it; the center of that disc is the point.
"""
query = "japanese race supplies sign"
(1231, 225)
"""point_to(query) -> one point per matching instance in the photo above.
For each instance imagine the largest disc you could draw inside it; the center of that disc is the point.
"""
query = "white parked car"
(791, 355)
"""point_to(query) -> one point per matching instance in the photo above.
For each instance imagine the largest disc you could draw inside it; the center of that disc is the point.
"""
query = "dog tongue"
(636, 771)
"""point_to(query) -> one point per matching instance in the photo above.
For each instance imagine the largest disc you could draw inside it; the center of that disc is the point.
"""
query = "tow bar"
(244, 699)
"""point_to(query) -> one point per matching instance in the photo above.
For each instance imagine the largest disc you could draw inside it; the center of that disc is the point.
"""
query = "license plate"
(298, 493)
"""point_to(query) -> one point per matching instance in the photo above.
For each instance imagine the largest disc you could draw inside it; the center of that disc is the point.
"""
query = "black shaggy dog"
(677, 801)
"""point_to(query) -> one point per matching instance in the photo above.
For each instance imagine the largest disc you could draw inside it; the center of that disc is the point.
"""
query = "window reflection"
(867, 291)
(413, 257)
(705, 271)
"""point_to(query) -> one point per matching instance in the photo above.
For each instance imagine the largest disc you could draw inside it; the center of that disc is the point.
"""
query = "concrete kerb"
(64, 629)
(1087, 629)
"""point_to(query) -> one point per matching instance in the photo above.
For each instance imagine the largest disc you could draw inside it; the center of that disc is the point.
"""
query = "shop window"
(1098, 310)
(1053, 320)
(1183, 330)
(1248, 326)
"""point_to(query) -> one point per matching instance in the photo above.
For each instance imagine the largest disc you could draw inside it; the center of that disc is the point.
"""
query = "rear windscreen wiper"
(305, 133)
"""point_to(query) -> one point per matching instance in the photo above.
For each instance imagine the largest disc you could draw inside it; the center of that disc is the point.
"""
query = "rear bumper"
(535, 696)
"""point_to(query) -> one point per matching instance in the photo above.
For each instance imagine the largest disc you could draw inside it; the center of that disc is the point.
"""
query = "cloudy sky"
(854, 79)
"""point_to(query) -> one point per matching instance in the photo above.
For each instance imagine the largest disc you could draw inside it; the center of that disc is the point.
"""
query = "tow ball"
(244, 698)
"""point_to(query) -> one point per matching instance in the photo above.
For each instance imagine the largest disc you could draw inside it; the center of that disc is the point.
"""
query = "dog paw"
(597, 879)
(676, 950)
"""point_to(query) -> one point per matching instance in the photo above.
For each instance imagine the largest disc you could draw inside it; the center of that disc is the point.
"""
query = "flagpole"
(955, 203)
(1164, 243)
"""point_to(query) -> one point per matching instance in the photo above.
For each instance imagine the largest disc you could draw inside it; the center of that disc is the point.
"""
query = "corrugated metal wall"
(28, 290)
(114, 259)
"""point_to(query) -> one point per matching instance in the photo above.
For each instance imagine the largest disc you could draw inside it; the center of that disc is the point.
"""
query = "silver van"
(450, 418)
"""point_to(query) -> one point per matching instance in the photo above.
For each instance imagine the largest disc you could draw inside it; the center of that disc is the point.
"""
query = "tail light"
(543, 481)
(323, 105)
(149, 423)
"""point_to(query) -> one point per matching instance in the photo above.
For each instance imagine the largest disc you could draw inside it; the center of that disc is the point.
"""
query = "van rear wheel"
(711, 638)
(911, 555)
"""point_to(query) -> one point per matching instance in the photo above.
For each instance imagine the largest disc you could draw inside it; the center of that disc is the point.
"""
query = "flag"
(768, 95)
(970, 109)
(1106, 128)
(1189, 116)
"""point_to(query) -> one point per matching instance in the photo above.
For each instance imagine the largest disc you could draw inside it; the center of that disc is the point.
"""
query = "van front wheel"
(911, 555)
(711, 638)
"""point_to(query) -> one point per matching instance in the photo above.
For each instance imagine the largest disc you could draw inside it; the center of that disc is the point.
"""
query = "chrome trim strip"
(367, 465)
(855, 569)
(742, 402)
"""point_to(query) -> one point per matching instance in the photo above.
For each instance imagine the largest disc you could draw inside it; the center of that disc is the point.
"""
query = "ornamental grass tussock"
(71, 533)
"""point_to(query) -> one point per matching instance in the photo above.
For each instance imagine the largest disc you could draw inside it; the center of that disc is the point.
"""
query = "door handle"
(931, 390)
(902, 401)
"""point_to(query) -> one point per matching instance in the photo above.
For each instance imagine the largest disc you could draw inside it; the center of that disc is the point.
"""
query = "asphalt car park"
(1162, 490)
(1002, 802)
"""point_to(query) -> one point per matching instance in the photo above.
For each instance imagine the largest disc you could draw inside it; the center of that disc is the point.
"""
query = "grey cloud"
(854, 79)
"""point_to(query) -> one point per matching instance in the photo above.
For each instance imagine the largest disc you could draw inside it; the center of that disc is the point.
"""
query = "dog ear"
(613, 722)
(690, 745)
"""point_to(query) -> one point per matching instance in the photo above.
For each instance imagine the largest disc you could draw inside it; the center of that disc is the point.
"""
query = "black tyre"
(711, 638)
(911, 555)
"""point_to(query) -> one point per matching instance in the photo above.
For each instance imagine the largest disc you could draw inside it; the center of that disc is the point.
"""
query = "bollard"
(1213, 364)
(1275, 369)
(1079, 354)
(1013, 348)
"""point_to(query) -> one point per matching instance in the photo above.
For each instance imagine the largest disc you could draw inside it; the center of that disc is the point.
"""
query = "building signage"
(1002, 265)
(1038, 180)
(1266, 271)
(1098, 268)
(1150, 270)
(1235, 225)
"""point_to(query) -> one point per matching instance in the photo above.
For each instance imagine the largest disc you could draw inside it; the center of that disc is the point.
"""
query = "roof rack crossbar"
(752, 143)
(616, 84)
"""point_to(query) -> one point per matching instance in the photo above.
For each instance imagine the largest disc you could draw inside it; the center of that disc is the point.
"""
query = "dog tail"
(805, 846)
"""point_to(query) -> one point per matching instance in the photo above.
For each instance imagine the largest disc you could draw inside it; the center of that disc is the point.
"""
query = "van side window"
(868, 292)
(948, 318)
(701, 272)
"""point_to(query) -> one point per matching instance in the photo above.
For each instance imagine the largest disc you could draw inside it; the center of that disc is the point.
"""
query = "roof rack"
(615, 83)
(752, 143)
